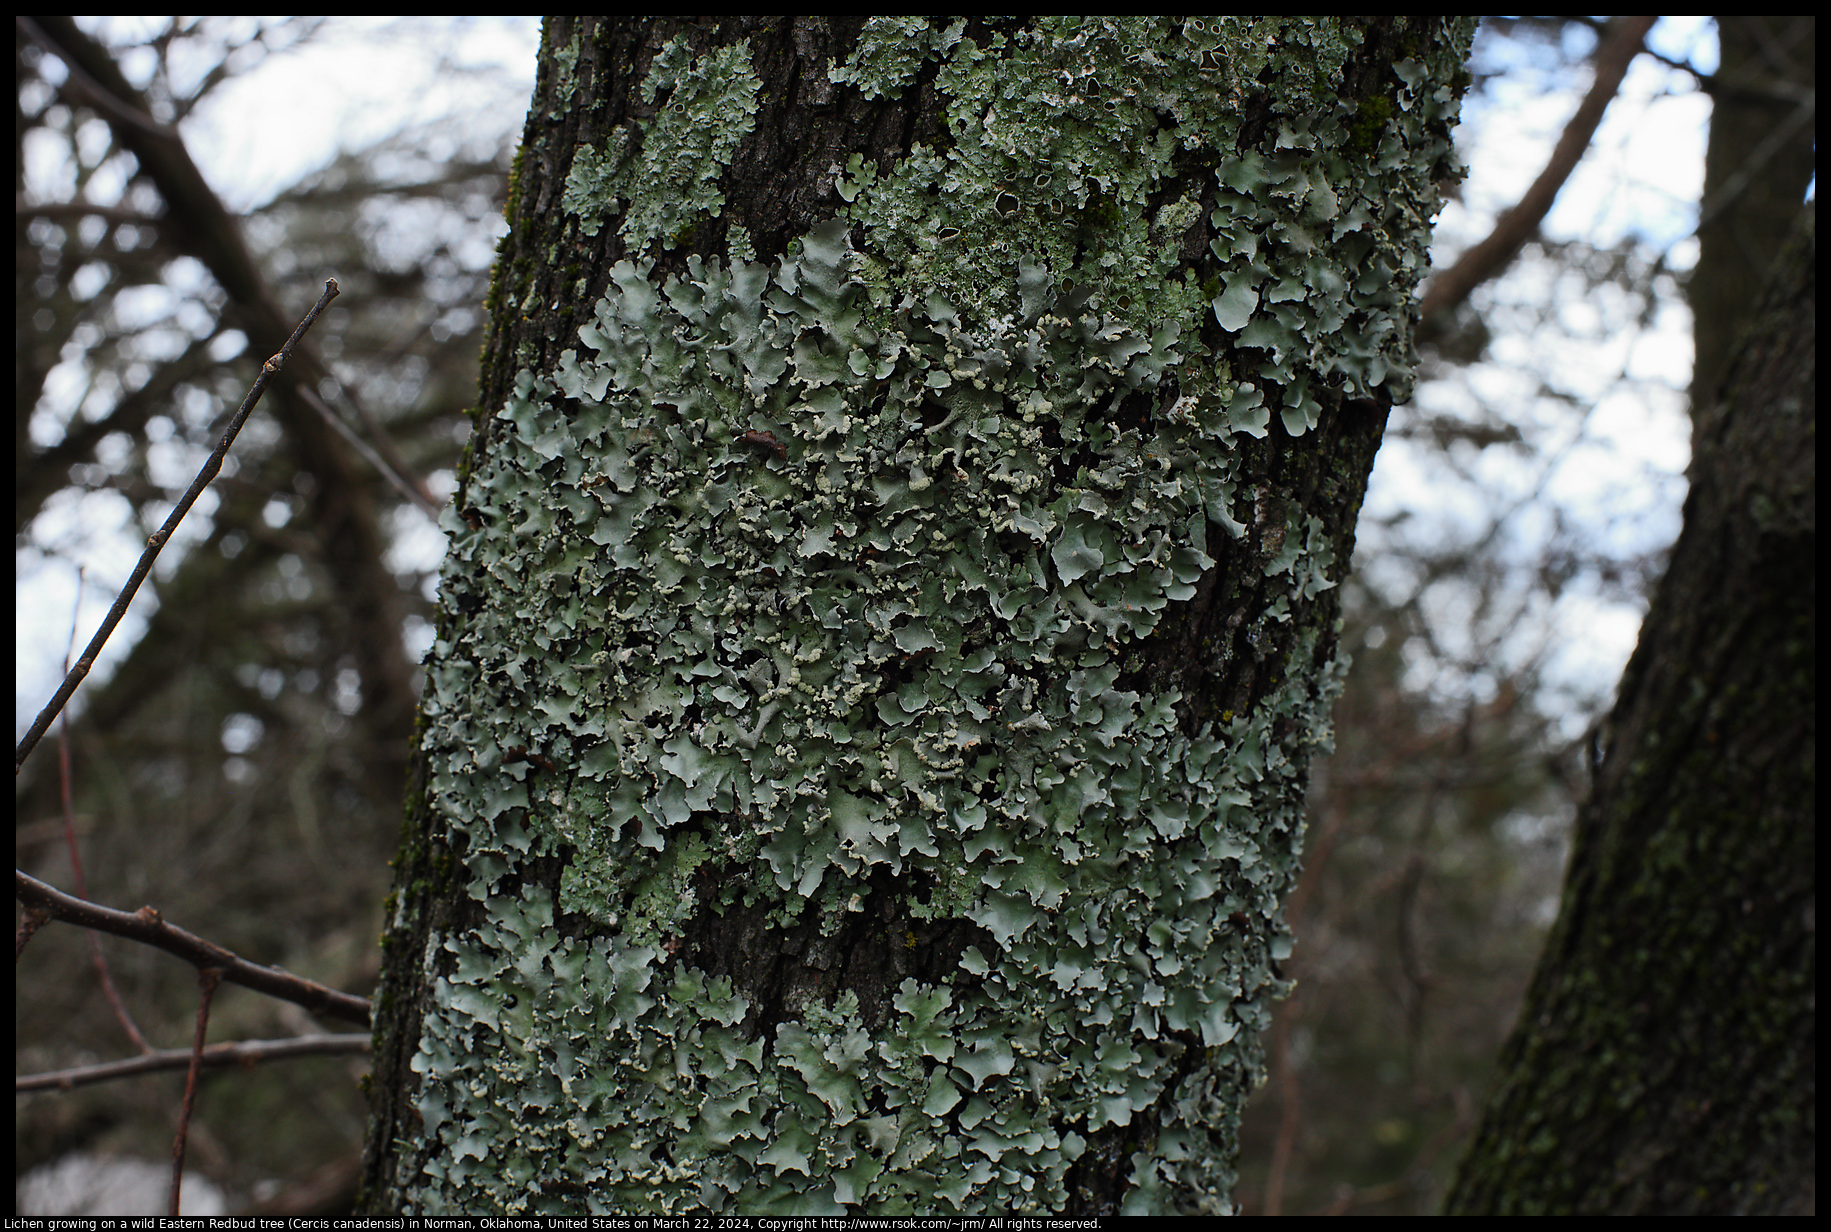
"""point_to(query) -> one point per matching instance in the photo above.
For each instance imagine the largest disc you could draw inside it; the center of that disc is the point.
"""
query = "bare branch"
(199, 224)
(243, 1053)
(157, 541)
(1619, 45)
(208, 980)
(146, 926)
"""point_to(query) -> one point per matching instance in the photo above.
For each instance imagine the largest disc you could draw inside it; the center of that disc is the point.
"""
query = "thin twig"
(393, 467)
(67, 797)
(146, 926)
(207, 980)
(157, 541)
(243, 1053)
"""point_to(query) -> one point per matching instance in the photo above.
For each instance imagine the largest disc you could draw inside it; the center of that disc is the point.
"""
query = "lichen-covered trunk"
(890, 610)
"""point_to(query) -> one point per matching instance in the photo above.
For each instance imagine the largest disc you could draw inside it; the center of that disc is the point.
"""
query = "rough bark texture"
(840, 886)
(1664, 1061)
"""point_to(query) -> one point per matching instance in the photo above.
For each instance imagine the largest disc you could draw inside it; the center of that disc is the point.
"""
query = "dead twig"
(146, 926)
(157, 541)
(208, 979)
(241, 1053)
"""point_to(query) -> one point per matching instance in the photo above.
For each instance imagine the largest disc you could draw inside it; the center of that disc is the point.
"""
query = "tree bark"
(890, 608)
(1663, 1062)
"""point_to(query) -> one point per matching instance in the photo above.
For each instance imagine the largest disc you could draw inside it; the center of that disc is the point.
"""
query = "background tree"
(876, 676)
(1522, 524)
(1664, 1060)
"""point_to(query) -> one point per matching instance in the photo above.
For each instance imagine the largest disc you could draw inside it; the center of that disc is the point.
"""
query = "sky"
(1616, 468)
(1619, 473)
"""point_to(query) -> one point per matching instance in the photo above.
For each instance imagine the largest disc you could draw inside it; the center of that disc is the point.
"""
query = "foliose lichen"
(779, 585)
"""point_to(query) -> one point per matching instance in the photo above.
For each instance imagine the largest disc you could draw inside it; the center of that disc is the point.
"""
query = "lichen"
(661, 175)
(796, 581)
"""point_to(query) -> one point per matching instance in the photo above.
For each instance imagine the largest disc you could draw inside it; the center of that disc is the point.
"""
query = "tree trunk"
(1761, 156)
(890, 609)
(1663, 1063)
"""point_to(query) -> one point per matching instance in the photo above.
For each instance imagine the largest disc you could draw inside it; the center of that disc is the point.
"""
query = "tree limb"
(146, 926)
(1519, 224)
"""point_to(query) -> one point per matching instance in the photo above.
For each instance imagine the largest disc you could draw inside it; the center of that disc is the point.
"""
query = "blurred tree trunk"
(890, 609)
(1663, 1062)
(1756, 168)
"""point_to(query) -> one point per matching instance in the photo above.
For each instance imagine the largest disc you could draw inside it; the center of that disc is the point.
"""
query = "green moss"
(1370, 119)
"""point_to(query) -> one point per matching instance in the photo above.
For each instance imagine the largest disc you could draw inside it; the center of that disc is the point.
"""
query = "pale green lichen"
(779, 576)
(662, 176)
